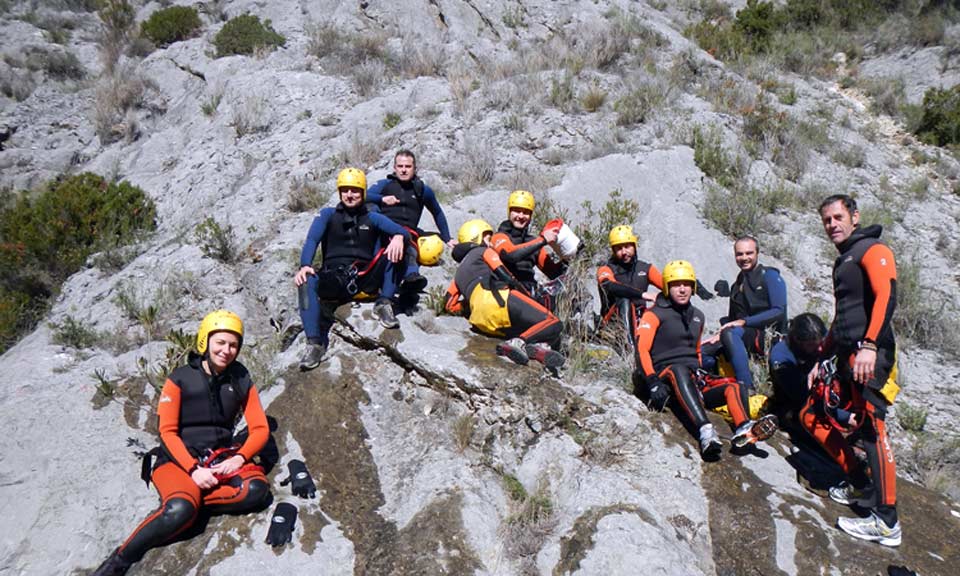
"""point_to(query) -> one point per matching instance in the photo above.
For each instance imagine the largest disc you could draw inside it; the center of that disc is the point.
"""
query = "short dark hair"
(807, 327)
(848, 202)
(751, 237)
(407, 153)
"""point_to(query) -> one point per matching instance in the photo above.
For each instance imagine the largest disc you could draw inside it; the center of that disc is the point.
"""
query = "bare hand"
(301, 277)
(228, 466)
(863, 365)
(452, 242)
(650, 296)
(550, 236)
(852, 422)
(812, 376)
(204, 478)
(390, 200)
(395, 248)
(712, 339)
(733, 324)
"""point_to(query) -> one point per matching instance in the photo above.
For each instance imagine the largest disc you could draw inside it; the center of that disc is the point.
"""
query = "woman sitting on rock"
(198, 465)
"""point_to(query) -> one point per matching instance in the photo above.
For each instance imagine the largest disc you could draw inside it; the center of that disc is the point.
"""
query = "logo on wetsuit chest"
(364, 227)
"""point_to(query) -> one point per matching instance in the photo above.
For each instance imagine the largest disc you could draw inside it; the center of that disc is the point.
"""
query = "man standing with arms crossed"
(861, 336)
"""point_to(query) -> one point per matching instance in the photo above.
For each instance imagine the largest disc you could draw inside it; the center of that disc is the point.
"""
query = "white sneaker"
(845, 493)
(710, 444)
(871, 528)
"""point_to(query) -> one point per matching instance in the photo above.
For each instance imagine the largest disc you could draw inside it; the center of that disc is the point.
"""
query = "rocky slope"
(433, 456)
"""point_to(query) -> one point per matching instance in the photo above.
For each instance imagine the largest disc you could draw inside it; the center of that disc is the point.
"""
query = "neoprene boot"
(114, 565)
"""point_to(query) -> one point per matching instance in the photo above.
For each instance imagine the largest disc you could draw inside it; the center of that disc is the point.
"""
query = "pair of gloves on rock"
(285, 514)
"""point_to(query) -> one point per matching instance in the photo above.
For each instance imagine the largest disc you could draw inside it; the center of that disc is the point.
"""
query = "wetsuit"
(197, 413)
(621, 287)
(668, 345)
(865, 290)
(353, 263)
(759, 298)
(788, 371)
(483, 291)
(522, 253)
(413, 196)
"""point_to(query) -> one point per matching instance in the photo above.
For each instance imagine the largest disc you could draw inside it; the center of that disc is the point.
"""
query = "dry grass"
(305, 195)
(251, 116)
(462, 431)
(118, 95)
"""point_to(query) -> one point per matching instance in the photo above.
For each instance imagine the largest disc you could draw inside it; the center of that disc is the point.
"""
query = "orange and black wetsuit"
(494, 302)
(197, 413)
(522, 252)
(621, 287)
(865, 288)
(668, 345)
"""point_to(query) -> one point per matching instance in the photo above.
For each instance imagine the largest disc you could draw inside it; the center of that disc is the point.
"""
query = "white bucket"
(567, 242)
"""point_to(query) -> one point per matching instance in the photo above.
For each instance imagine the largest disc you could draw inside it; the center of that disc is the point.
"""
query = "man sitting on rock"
(402, 196)
(353, 267)
(623, 282)
(521, 251)
(758, 300)
(496, 304)
(668, 346)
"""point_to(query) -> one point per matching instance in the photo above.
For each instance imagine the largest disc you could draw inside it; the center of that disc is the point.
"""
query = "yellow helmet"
(217, 321)
(622, 235)
(429, 249)
(678, 270)
(353, 178)
(473, 231)
(520, 199)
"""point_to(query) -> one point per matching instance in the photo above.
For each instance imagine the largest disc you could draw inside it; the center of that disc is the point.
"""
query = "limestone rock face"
(431, 454)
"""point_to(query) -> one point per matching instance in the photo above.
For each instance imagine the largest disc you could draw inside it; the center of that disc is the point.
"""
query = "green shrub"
(911, 418)
(390, 120)
(939, 123)
(74, 334)
(246, 34)
(757, 22)
(710, 156)
(46, 237)
(169, 25)
(597, 224)
(634, 106)
(742, 209)
(216, 241)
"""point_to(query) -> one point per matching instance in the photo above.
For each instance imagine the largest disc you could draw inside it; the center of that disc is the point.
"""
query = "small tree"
(169, 25)
(244, 35)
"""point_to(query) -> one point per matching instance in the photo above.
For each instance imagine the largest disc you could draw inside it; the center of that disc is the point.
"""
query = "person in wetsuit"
(523, 252)
(199, 405)
(354, 264)
(402, 197)
(758, 301)
(494, 302)
(862, 339)
(668, 346)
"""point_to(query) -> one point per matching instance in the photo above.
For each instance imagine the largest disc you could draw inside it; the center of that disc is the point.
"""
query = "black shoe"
(412, 284)
(114, 565)
(312, 356)
(383, 310)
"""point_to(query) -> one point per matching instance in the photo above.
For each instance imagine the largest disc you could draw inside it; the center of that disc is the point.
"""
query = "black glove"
(281, 525)
(703, 293)
(301, 484)
(659, 393)
(722, 288)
